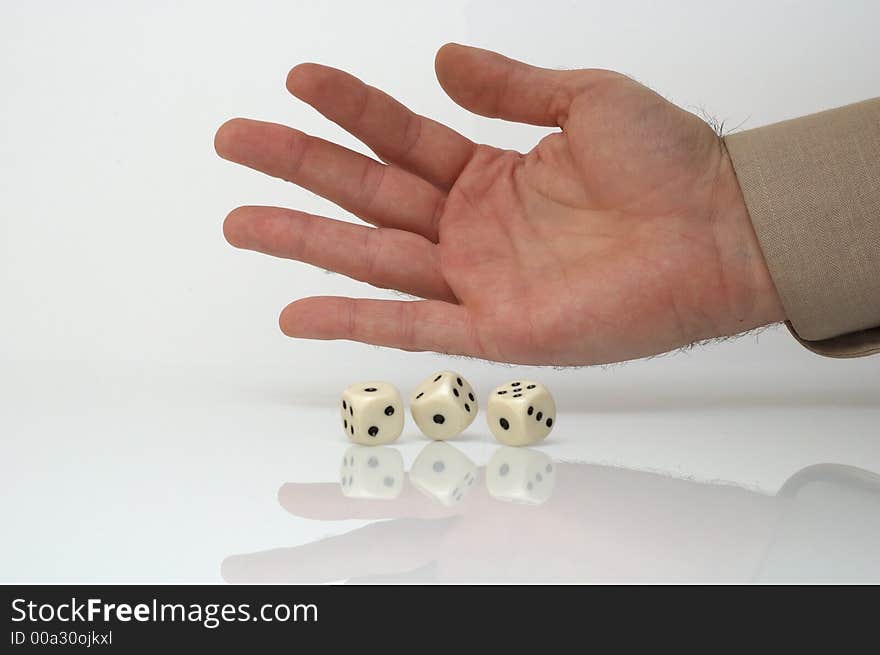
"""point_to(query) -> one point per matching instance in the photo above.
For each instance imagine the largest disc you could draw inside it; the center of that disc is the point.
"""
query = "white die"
(443, 473)
(443, 405)
(372, 413)
(520, 475)
(520, 413)
(371, 473)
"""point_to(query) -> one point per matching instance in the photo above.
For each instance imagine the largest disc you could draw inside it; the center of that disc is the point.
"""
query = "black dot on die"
(420, 395)
(439, 418)
(504, 424)
(531, 411)
(517, 395)
(515, 384)
(549, 422)
(531, 386)
(373, 431)
(467, 407)
(351, 410)
(352, 428)
(471, 396)
(345, 423)
(539, 416)
(437, 378)
(460, 383)
(370, 389)
(389, 411)
(501, 393)
(344, 406)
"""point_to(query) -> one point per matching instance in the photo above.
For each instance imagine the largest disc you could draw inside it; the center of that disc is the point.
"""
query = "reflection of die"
(520, 413)
(372, 413)
(443, 472)
(371, 472)
(443, 405)
(520, 475)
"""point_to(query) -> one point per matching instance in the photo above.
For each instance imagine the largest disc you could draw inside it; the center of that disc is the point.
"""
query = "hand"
(623, 235)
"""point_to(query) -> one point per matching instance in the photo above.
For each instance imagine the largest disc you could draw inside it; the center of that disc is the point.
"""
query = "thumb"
(493, 85)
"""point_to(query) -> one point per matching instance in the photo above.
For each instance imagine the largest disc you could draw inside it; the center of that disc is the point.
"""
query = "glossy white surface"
(155, 425)
(184, 474)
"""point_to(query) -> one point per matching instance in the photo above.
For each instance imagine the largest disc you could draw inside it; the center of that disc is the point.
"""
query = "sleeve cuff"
(854, 344)
(812, 188)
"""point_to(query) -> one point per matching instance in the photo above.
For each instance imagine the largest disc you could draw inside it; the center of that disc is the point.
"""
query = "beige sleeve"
(812, 188)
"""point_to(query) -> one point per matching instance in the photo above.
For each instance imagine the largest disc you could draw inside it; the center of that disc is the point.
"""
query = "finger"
(409, 325)
(383, 257)
(396, 134)
(377, 193)
(493, 85)
(325, 502)
(378, 548)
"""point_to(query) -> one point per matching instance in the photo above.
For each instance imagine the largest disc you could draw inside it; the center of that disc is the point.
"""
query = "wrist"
(753, 299)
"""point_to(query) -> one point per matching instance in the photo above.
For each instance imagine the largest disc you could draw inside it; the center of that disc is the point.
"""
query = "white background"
(149, 406)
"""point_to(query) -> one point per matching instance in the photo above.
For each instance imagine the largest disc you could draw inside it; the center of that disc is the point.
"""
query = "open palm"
(620, 236)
